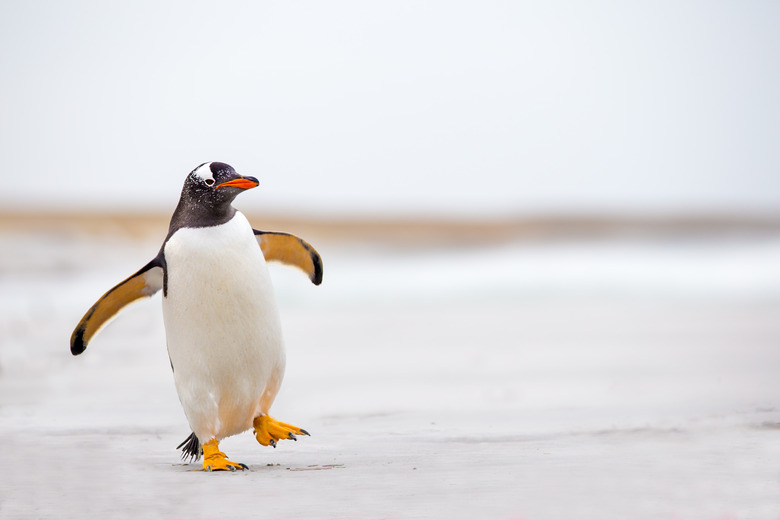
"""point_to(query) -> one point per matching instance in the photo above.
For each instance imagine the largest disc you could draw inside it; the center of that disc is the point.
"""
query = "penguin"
(222, 324)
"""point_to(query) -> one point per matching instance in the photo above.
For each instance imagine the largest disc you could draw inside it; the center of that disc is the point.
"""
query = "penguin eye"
(210, 182)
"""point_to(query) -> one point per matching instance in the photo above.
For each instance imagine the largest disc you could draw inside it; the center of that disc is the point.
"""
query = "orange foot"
(215, 460)
(269, 430)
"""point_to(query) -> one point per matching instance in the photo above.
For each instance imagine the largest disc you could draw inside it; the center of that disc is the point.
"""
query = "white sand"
(589, 380)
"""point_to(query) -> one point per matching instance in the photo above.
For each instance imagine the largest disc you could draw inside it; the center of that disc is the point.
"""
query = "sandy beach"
(579, 376)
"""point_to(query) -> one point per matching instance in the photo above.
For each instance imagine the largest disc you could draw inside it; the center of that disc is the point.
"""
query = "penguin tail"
(190, 448)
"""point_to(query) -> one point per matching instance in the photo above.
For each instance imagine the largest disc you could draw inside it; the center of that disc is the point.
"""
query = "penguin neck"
(199, 213)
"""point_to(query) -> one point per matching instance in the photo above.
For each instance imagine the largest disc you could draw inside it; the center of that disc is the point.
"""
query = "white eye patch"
(204, 172)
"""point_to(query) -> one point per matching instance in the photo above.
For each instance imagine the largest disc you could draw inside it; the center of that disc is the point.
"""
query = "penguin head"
(220, 180)
(208, 193)
(215, 185)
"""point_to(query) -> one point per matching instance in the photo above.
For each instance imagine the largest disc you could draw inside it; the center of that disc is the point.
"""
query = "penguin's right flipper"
(291, 250)
(143, 284)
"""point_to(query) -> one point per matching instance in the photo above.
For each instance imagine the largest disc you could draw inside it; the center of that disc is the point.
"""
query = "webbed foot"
(215, 460)
(268, 431)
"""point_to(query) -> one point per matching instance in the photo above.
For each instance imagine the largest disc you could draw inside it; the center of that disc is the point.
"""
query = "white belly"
(222, 326)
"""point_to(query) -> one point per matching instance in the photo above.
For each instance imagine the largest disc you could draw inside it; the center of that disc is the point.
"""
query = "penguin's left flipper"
(143, 284)
(291, 250)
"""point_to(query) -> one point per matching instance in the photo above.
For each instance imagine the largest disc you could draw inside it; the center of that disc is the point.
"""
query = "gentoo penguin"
(221, 321)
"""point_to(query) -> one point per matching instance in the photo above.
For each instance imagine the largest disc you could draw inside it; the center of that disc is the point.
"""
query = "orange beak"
(241, 182)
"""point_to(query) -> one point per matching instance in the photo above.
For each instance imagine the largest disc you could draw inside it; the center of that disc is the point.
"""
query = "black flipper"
(291, 250)
(143, 284)
(191, 448)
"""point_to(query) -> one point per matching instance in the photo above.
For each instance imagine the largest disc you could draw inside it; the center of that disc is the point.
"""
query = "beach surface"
(522, 377)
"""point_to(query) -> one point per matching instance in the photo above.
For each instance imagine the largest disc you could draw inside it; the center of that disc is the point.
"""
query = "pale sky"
(403, 107)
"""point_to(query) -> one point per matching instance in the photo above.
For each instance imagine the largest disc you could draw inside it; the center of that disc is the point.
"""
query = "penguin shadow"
(187, 468)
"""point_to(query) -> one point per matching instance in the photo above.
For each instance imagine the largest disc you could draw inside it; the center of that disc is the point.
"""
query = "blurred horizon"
(458, 110)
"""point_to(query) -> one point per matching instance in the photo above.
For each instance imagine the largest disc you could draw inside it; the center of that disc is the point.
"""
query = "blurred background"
(402, 108)
(565, 214)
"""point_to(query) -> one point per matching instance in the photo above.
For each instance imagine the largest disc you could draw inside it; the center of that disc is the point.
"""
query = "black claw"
(244, 466)
(232, 468)
(273, 443)
(293, 437)
(304, 432)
